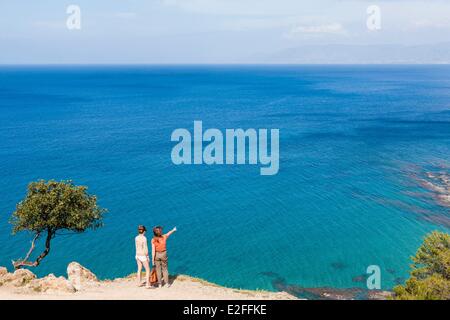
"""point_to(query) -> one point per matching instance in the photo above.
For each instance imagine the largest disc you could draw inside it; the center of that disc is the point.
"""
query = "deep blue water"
(350, 137)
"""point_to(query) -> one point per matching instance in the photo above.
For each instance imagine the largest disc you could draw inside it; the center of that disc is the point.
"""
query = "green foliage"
(430, 271)
(50, 206)
(53, 205)
(433, 257)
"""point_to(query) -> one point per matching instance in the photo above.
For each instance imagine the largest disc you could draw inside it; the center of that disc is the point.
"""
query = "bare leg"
(139, 264)
(147, 273)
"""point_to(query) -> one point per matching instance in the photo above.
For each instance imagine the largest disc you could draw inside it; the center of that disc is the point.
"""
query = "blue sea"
(352, 139)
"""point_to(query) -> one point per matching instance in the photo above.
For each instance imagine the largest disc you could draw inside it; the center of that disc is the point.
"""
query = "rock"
(19, 278)
(445, 198)
(379, 295)
(22, 276)
(80, 276)
(3, 271)
(3, 274)
(51, 284)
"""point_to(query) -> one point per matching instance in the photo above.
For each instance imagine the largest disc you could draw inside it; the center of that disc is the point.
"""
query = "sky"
(216, 31)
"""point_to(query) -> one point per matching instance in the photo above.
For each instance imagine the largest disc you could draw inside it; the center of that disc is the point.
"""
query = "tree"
(51, 206)
(430, 271)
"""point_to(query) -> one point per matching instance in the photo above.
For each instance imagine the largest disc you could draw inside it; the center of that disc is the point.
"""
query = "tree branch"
(32, 246)
(22, 263)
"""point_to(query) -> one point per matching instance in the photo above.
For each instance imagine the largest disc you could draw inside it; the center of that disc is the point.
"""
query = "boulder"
(3, 271)
(19, 278)
(51, 284)
(80, 276)
(379, 295)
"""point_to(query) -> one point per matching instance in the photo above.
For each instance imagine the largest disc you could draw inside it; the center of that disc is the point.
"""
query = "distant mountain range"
(363, 54)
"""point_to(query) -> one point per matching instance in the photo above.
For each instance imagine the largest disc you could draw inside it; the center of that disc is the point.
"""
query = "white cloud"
(330, 28)
(262, 23)
(50, 24)
(125, 15)
(315, 30)
(245, 7)
(433, 24)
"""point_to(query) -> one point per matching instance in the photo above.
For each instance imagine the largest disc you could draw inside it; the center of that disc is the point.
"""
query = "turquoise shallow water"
(350, 138)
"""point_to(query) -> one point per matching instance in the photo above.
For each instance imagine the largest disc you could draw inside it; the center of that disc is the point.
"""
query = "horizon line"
(219, 64)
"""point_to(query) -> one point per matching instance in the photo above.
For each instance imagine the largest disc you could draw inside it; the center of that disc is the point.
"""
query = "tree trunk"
(21, 263)
(47, 248)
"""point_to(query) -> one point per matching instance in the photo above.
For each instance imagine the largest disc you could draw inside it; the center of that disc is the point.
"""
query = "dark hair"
(141, 229)
(157, 231)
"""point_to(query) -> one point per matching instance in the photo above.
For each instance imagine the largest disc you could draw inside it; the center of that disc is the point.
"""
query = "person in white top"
(142, 257)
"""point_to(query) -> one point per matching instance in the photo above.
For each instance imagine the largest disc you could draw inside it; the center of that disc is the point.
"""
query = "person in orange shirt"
(159, 254)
